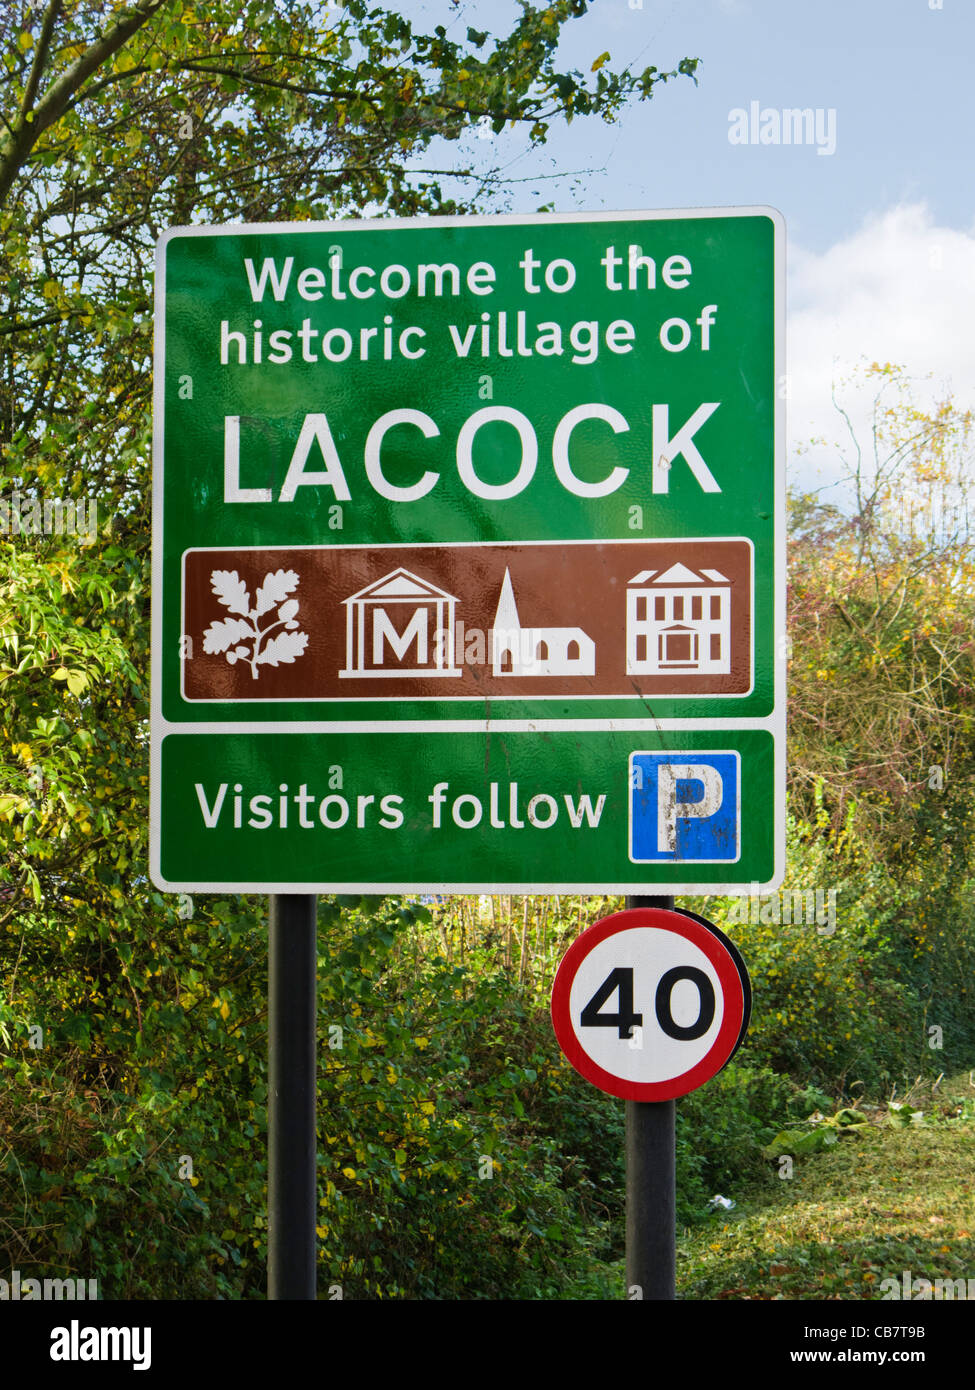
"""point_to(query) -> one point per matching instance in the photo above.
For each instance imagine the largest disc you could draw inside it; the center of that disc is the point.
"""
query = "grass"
(879, 1202)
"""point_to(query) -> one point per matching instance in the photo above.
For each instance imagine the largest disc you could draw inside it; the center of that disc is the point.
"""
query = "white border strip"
(473, 726)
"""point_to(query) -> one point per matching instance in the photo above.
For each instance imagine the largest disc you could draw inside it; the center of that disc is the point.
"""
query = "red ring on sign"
(706, 939)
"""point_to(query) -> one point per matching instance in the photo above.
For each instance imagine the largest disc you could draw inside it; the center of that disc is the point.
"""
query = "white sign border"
(776, 724)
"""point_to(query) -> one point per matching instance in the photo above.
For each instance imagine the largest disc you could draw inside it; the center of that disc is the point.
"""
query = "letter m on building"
(383, 632)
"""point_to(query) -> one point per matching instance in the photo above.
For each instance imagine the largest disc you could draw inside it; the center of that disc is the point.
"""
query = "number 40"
(620, 982)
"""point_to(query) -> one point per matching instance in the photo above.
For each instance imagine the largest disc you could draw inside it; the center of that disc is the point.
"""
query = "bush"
(458, 1153)
(720, 1131)
(836, 1002)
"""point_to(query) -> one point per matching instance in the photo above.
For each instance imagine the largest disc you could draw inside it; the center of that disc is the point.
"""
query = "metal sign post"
(651, 1184)
(292, 1063)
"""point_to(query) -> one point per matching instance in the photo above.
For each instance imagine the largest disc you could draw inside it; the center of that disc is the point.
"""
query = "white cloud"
(900, 289)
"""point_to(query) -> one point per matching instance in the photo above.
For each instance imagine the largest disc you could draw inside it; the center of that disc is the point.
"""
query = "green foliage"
(827, 1009)
(805, 1102)
(139, 1061)
(847, 996)
(447, 1118)
(823, 1131)
(720, 1129)
(902, 1115)
(444, 1174)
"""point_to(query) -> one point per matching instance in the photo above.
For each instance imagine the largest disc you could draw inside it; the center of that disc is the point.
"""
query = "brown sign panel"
(438, 621)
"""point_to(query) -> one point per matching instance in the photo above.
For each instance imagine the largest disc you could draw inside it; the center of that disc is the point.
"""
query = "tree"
(882, 692)
(121, 119)
(882, 603)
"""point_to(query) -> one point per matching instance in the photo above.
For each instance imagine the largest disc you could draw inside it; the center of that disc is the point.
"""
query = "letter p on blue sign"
(685, 806)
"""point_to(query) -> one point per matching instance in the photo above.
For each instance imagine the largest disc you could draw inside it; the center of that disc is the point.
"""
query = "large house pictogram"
(400, 625)
(678, 621)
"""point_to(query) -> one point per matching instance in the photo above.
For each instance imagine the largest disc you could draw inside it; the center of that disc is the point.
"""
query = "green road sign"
(468, 555)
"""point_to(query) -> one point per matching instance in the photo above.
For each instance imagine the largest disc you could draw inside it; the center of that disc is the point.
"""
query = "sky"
(879, 207)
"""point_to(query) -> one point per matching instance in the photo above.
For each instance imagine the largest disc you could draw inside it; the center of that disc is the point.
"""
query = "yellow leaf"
(348, 1172)
(603, 58)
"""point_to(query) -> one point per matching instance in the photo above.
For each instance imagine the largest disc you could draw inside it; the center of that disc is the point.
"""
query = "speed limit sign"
(650, 1003)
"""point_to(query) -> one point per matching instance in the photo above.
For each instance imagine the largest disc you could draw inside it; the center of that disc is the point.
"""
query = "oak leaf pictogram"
(243, 638)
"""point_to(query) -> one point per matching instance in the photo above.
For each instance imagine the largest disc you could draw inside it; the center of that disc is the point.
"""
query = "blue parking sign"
(685, 806)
